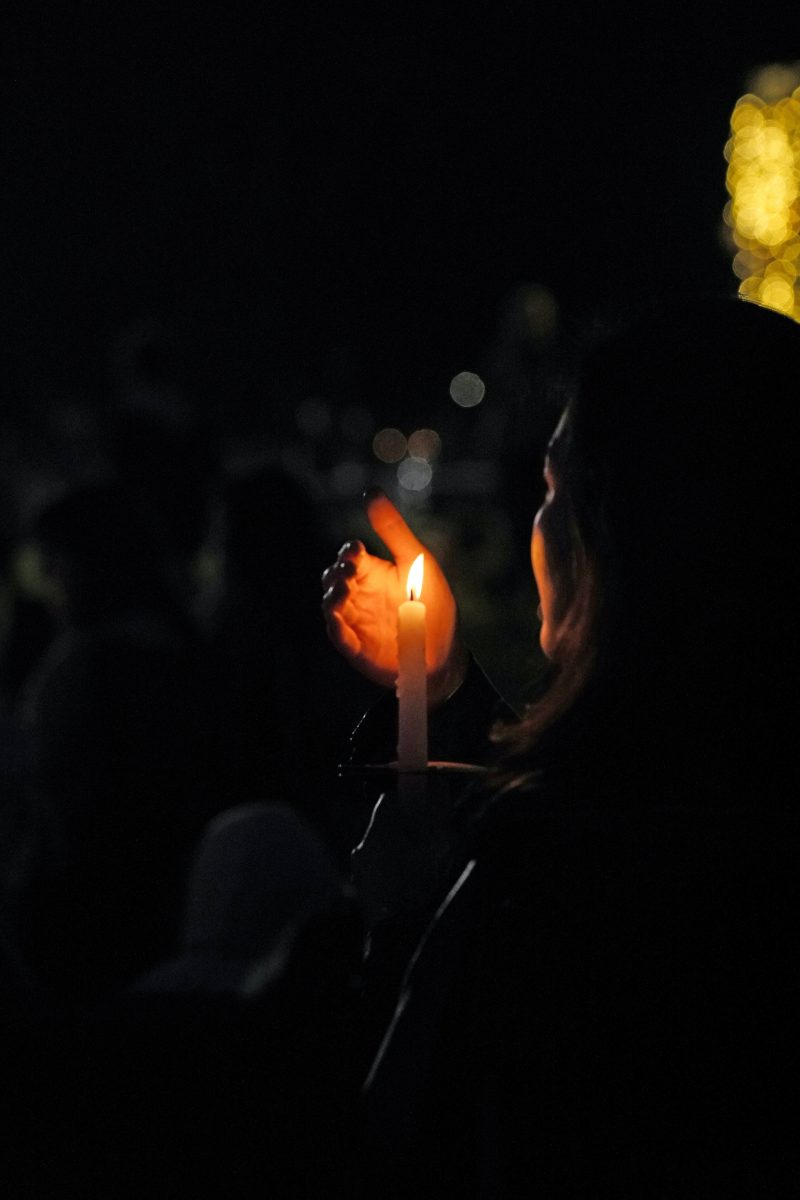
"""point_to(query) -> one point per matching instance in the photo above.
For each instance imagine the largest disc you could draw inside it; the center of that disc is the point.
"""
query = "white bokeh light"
(467, 389)
(414, 475)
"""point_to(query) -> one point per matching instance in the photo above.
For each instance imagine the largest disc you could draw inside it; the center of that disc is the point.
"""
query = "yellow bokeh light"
(541, 311)
(762, 218)
(777, 293)
(775, 81)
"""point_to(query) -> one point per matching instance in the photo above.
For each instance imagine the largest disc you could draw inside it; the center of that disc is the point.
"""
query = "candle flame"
(414, 588)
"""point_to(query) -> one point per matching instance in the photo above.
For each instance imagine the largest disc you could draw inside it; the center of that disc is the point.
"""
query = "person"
(117, 719)
(604, 1003)
(273, 734)
(228, 1061)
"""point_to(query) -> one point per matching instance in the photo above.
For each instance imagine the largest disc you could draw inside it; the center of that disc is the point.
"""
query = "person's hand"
(362, 594)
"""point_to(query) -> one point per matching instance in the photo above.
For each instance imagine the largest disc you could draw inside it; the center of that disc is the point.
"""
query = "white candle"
(412, 688)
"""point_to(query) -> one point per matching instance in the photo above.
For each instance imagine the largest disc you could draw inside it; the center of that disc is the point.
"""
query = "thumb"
(390, 526)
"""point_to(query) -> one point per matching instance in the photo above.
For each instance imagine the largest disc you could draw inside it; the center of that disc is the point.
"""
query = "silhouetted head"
(100, 553)
(664, 550)
(260, 877)
(167, 472)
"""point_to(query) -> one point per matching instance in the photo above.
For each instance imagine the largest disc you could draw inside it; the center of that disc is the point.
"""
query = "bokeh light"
(425, 444)
(467, 389)
(30, 575)
(414, 475)
(541, 311)
(389, 445)
(763, 181)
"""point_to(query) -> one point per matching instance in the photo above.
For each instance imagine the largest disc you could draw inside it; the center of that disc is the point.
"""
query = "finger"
(351, 550)
(341, 634)
(337, 592)
(390, 526)
(335, 572)
(354, 554)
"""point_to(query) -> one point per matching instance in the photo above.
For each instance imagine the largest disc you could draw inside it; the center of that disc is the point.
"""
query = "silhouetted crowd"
(181, 950)
(240, 952)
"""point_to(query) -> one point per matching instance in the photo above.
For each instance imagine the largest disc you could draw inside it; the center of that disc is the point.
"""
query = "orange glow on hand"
(362, 595)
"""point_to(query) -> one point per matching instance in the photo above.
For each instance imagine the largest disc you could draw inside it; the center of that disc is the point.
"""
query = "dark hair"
(679, 457)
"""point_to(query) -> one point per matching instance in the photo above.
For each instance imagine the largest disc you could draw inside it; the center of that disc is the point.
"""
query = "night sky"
(346, 198)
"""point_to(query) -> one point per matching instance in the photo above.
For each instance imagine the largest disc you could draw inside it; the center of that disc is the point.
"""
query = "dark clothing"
(276, 735)
(604, 1006)
(416, 838)
(458, 731)
(120, 732)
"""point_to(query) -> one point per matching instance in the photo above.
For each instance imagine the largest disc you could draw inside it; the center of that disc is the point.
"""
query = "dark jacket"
(604, 1005)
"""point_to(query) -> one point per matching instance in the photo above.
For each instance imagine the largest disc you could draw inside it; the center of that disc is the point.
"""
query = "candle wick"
(411, 595)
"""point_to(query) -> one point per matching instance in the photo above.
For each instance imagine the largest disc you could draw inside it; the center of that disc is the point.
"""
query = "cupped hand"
(362, 594)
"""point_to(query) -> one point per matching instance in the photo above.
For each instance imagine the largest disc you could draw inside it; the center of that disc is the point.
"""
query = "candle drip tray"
(391, 770)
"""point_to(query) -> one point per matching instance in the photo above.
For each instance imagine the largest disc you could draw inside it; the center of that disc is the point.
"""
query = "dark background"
(309, 186)
(251, 206)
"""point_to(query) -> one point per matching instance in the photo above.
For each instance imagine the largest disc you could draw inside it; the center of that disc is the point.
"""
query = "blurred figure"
(27, 628)
(260, 878)
(231, 1063)
(116, 714)
(277, 732)
(166, 470)
(162, 453)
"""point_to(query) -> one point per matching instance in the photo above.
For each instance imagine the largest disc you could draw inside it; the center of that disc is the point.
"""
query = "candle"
(412, 688)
